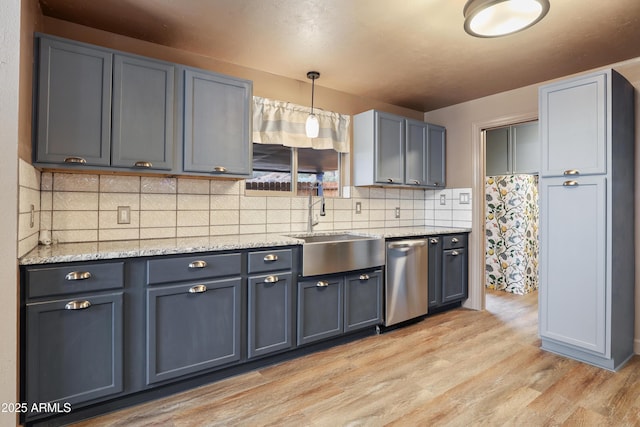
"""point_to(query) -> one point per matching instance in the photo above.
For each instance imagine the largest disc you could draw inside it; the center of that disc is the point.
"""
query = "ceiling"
(410, 53)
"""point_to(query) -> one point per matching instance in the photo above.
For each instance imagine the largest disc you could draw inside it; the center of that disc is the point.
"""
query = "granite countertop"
(72, 252)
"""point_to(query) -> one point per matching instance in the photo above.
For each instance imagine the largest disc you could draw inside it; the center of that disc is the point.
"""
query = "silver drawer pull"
(433, 240)
(364, 277)
(270, 258)
(143, 164)
(408, 244)
(76, 160)
(271, 279)
(77, 305)
(220, 169)
(322, 284)
(572, 172)
(78, 275)
(198, 264)
(570, 183)
(455, 240)
(197, 289)
(455, 253)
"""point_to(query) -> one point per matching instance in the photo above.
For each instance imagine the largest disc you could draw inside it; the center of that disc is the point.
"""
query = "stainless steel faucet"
(310, 220)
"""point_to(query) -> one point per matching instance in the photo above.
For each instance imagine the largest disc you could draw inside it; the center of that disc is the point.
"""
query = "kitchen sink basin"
(340, 252)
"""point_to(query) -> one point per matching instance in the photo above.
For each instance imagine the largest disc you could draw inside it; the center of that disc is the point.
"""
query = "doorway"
(510, 197)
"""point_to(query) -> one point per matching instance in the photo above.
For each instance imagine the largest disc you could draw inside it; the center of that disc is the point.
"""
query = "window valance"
(279, 122)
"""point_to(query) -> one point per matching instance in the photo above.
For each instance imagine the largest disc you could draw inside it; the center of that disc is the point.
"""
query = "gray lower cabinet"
(217, 124)
(448, 270)
(74, 348)
(143, 113)
(320, 305)
(363, 300)
(73, 118)
(270, 314)
(192, 327)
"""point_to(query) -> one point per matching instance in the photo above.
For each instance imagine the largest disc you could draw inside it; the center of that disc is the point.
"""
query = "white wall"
(9, 76)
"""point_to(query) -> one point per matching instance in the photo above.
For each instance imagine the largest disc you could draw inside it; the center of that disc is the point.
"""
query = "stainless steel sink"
(340, 252)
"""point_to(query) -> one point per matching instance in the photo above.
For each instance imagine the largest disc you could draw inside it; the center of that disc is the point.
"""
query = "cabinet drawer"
(270, 260)
(74, 278)
(454, 241)
(194, 267)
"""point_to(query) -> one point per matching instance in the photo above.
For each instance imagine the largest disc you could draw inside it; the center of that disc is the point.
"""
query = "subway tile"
(299, 203)
(459, 215)
(253, 228)
(419, 194)
(360, 192)
(46, 200)
(462, 224)
(404, 222)
(200, 231)
(407, 193)
(75, 220)
(392, 193)
(392, 223)
(298, 227)
(119, 234)
(377, 193)
(231, 217)
(343, 225)
(224, 202)
(222, 230)
(278, 216)
(75, 182)
(46, 181)
(252, 217)
(225, 187)
(75, 201)
(406, 204)
(111, 201)
(28, 176)
(392, 204)
(24, 225)
(377, 214)
(119, 184)
(158, 233)
(377, 204)
(376, 224)
(193, 186)
(158, 185)
(253, 203)
(360, 225)
(157, 219)
(193, 218)
(193, 202)
(279, 228)
(70, 236)
(298, 215)
(27, 244)
(156, 202)
(278, 203)
(28, 197)
(342, 204)
(46, 220)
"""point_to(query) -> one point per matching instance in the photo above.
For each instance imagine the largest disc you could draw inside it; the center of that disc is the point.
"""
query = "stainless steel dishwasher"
(406, 284)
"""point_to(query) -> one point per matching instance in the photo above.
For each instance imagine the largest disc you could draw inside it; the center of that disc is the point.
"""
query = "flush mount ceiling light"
(495, 18)
(312, 127)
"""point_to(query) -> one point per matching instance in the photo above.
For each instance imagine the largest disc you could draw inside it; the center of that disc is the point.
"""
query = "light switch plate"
(464, 198)
(397, 212)
(124, 215)
(443, 199)
(358, 208)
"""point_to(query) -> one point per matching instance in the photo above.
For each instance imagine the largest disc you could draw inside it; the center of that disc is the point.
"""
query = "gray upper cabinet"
(587, 258)
(143, 113)
(217, 124)
(393, 150)
(573, 126)
(74, 104)
(436, 156)
(513, 149)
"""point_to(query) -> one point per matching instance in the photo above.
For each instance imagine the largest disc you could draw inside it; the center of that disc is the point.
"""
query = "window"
(296, 171)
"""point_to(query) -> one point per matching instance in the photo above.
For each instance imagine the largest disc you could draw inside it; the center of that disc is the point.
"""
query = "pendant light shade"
(495, 18)
(312, 127)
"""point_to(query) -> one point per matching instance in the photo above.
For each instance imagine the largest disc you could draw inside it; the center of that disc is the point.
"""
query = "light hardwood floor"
(457, 368)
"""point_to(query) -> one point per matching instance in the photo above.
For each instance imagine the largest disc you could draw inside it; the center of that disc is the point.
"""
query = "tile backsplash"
(84, 208)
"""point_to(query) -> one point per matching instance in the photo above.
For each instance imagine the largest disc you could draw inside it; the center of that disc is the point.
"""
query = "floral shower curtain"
(512, 233)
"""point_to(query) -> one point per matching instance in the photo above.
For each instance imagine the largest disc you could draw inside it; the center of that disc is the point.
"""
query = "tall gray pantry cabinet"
(586, 300)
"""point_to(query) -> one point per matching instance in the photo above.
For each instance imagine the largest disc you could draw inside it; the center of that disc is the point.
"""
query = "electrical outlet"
(443, 199)
(358, 208)
(464, 198)
(397, 212)
(124, 214)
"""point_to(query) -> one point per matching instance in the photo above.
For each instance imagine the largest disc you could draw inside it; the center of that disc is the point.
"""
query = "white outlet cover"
(443, 199)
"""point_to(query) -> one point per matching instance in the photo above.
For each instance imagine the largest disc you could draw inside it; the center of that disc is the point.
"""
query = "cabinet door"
(143, 113)
(192, 327)
(363, 301)
(436, 156)
(573, 126)
(320, 308)
(498, 155)
(74, 104)
(217, 127)
(435, 272)
(74, 349)
(389, 148)
(416, 153)
(454, 275)
(573, 253)
(525, 143)
(270, 314)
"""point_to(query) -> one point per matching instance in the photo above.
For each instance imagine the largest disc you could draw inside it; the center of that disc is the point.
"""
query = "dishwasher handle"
(407, 244)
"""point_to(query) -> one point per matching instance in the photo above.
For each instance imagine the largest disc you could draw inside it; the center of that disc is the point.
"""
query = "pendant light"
(495, 18)
(312, 127)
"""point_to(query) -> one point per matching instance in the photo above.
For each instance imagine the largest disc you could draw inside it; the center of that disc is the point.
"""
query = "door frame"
(477, 262)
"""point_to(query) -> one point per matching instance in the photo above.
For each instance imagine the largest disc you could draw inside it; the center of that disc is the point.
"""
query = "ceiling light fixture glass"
(495, 18)
(312, 127)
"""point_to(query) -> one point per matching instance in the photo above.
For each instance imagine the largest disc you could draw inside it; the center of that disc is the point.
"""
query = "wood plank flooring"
(458, 368)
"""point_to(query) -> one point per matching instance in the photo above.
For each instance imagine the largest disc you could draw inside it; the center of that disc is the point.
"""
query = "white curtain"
(279, 122)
